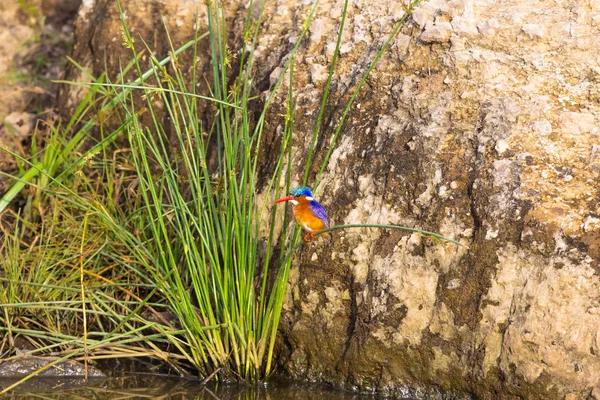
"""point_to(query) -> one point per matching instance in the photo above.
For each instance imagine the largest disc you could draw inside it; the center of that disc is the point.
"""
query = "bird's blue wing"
(319, 211)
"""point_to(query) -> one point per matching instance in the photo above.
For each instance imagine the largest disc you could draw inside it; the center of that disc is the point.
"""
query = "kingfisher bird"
(307, 211)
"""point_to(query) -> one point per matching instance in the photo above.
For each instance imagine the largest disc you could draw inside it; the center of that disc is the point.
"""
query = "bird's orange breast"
(306, 218)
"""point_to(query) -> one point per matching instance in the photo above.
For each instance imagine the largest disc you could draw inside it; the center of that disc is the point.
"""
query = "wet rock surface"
(19, 367)
(481, 123)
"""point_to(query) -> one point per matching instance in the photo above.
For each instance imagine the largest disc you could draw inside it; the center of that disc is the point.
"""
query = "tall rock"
(480, 122)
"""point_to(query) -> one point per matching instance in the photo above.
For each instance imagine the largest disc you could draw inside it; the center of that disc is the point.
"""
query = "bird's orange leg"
(308, 237)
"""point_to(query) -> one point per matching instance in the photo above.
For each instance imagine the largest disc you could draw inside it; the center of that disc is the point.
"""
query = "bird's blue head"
(299, 191)
(295, 193)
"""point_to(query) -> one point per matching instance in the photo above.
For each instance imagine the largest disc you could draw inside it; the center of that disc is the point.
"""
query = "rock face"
(481, 123)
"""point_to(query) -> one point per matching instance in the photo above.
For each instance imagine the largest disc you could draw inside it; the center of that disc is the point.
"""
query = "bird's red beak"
(281, 200)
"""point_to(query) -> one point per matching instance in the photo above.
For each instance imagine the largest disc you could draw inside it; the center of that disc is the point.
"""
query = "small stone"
(501, 146)
(335, 13)
(453, 8)
(534, 31)
(453, 185)
(423, 13)
(318, 73)
(20, 123)
(590, 224)
(465, 26)
(314, 257)
(402, 42)
(439, 32)
(396, 16)
(488, 28)
(453, 284)
(491, 234)
(275, 75)
(542, 126)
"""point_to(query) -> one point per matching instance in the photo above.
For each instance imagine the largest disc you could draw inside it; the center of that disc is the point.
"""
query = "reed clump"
(153, 249)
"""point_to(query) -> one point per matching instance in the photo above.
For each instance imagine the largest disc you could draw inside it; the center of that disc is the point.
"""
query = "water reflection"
(162, 387)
